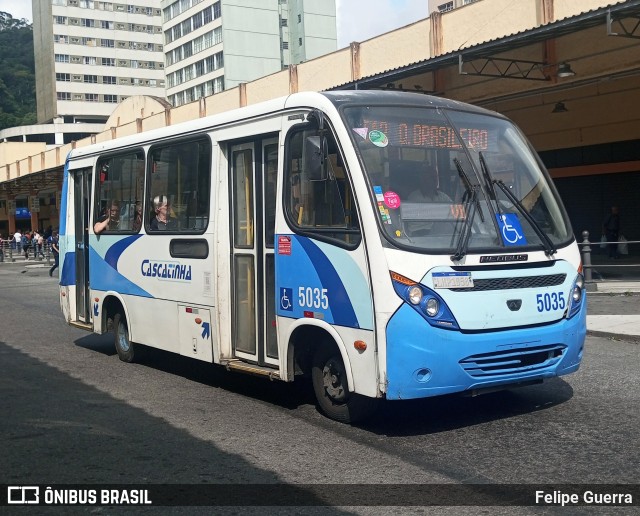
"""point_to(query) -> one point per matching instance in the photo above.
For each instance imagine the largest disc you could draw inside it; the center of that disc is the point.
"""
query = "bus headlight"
(432, 307)
(424, 301)
(577, 296)
(415, 295)
(578, 288)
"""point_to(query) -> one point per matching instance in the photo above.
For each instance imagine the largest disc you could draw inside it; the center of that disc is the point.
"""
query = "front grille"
(513, 283)
(510, 361)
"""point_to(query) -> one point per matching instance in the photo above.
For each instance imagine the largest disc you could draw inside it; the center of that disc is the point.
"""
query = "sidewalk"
(613, 309)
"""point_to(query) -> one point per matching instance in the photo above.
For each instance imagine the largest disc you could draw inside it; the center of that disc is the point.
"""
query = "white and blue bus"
(390, 245)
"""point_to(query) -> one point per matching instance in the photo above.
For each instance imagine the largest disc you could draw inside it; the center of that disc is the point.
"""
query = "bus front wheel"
(332, 391)
(124, 347)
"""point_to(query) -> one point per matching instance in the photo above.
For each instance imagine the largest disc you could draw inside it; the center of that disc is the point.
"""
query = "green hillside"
(17, 73)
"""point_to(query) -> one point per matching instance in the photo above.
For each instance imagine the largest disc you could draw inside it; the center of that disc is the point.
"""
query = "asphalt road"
(72, 413)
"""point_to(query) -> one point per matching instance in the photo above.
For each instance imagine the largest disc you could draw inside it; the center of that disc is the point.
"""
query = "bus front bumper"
(424, 361)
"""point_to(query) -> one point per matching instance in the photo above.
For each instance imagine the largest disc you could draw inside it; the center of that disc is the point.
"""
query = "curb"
(635, 339)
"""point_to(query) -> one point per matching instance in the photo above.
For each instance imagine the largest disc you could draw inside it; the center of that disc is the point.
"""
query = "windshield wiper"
(467, 186)
(549, 248)
(489, 182)
(463, 239)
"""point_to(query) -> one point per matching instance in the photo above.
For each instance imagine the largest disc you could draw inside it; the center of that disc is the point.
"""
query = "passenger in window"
(137, 220)
(427, 190)
(162, 219)
(109, 220)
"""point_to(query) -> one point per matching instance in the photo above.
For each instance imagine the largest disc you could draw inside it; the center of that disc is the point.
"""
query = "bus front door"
(81, 194)
(253, 173)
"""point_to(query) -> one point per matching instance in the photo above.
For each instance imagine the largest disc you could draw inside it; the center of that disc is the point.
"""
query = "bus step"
(81, 325)
(238, 365)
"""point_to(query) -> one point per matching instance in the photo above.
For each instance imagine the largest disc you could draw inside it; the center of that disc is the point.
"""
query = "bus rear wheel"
(124, 347)
(331, 388)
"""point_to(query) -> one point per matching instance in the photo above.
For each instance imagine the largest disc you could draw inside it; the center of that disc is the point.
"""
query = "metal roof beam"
(505, 68)
(622, 25)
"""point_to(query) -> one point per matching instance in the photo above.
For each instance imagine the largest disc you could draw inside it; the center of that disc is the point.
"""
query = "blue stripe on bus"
(105, 277)
(115, 251)
(354, 281)
(339, 302)
(63, 196)
(68, 269)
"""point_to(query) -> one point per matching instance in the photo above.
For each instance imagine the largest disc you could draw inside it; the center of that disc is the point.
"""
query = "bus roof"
(401, 98)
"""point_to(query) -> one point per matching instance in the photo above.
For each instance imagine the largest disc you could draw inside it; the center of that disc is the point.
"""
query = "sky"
(357, 20)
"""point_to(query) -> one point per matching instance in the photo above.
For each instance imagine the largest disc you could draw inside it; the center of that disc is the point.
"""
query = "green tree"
(17, 72)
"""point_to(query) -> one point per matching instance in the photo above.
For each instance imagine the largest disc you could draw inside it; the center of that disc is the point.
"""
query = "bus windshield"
(454, 181)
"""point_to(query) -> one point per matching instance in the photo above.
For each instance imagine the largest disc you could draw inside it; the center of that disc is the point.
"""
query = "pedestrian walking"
(41, 246)
(17, 238)
(56, 252)
(26, 242)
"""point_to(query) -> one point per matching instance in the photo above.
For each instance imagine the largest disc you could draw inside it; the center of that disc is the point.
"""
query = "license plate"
(452, 280)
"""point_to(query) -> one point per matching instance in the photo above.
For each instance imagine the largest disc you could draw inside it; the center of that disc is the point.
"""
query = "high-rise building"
(90, 55)
(213, 45)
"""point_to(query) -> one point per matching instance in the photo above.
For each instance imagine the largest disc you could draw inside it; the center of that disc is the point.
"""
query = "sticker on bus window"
(378, 138)
(377, 190)
(362, 131)
(384, 213)
(392, 200)
(510, 229)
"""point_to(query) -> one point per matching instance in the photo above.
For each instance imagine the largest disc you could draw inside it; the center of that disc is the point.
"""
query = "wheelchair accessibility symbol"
(286, 295)
(511, 229)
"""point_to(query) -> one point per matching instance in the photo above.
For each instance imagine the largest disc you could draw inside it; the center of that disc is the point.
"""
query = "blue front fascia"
(424, 361)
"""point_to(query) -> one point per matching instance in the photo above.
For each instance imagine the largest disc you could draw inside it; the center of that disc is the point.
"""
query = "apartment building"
(213, 45)
(91, 55)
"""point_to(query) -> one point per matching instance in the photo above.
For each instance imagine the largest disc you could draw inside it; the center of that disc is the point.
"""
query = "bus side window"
(120, 183)
(179, 176)
(319, 201)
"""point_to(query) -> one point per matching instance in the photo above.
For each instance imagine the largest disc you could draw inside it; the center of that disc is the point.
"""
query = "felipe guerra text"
(588, 498)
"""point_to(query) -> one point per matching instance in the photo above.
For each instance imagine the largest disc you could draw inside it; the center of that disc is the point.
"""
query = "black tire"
(331, 389)
(124, 347)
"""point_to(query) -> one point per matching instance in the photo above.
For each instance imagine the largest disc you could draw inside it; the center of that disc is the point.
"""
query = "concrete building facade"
(90, 55)
(444, 6)
(215, 45)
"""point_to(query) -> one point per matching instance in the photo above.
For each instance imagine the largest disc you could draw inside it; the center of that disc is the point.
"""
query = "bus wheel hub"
(333, 373)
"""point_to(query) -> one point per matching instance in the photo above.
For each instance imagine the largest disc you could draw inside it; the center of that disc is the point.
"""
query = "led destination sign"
(425, 135)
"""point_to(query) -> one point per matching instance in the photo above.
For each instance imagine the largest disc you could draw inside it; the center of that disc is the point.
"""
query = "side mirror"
(316, 118)
(314, 166)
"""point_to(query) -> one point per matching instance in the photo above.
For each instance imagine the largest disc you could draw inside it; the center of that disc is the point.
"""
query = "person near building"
(35, 237)
(40, 244)
(55, 249)
(26, 242)
(17, 238)
(611, 231)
